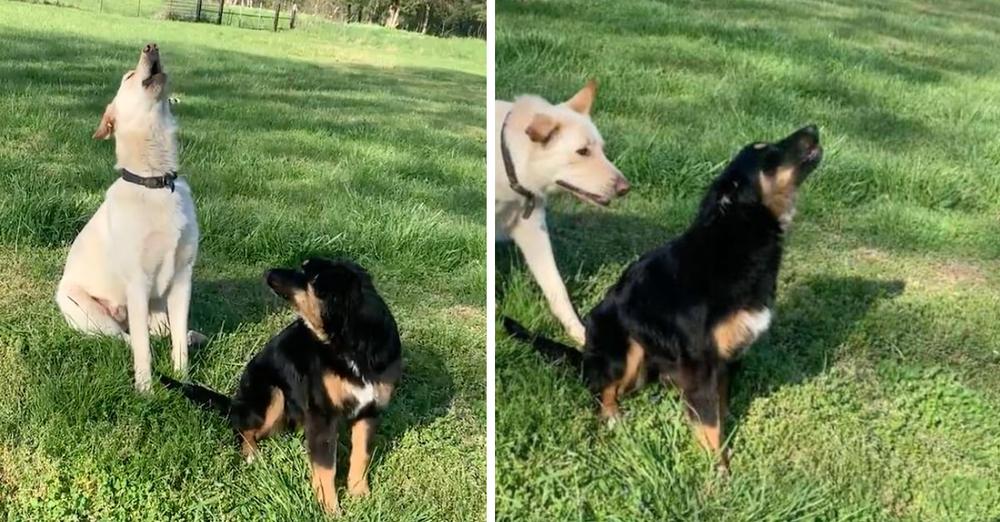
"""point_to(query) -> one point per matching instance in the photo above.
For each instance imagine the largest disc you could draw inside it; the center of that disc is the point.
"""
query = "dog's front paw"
(143, 384)
(332, 508)
(359, 488)
(611, 417)
(579, 335)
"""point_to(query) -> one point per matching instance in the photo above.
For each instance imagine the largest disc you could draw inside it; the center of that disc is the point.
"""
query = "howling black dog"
(339, 360)
(685, 311)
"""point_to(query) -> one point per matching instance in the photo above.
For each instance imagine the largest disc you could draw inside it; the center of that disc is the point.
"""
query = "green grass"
(876, 394)
(340, 140)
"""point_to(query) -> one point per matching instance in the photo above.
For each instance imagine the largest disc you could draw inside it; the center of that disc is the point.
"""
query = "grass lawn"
(349, 141)
(876, 394)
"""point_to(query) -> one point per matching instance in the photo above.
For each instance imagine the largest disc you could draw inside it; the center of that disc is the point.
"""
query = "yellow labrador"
(129, 270)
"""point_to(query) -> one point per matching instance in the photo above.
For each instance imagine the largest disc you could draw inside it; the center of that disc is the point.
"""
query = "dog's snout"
(622, 186)
(150, 47)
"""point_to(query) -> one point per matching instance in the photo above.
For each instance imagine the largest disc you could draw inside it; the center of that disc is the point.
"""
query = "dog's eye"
(583, 152)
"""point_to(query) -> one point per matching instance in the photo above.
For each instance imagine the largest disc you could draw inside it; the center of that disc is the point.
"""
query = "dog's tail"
(204, 397)
(551, 350)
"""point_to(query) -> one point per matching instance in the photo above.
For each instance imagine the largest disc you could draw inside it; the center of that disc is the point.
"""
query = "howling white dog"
(129, 271)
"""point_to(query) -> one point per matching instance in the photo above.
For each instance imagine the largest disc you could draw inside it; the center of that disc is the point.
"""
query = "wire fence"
(283, 16)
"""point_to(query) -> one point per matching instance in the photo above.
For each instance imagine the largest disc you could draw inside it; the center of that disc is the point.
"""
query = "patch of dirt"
(960, 273)
(464, 312)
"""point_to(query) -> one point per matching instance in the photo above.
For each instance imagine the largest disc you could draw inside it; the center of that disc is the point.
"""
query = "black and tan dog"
(685, 311)
(338, 361)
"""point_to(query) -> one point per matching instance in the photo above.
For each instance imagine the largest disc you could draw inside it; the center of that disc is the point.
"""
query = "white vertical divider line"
(490, 262)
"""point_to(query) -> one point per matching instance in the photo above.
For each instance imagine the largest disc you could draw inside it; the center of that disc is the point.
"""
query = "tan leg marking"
(273, 416)
(322, 483)
(731, 334)
(361, 436)
(738, 330)
(635, 375)
(632, 378)
(609, 402)
(386, 383)
(709, 435)
(337, 389)
(248, 448)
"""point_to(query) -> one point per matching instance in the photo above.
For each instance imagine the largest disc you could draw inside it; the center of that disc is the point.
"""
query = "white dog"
(129, 271)
(542, 148)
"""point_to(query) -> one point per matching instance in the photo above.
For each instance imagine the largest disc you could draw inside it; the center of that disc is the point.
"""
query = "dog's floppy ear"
(107, 125)
(541, 128)
(583, 100)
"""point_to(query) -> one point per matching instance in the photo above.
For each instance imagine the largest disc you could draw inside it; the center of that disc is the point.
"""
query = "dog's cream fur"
(129, 269)
(553, 147)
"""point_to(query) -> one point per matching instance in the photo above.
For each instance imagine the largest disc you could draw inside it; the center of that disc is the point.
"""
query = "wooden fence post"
(221, 4)
(197, 11)
(277, 9)
(295, 11)
(138, 8)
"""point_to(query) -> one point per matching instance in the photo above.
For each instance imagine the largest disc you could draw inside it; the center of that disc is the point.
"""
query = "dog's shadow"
(813, 319)
(221, 304)
(424, 393)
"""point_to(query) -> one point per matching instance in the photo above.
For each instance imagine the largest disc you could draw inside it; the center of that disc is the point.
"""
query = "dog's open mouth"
(589, 197)
(155, 68)
(812, 154)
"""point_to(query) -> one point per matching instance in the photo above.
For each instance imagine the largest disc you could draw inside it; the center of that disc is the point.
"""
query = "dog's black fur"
(677, 309)
(309, 374)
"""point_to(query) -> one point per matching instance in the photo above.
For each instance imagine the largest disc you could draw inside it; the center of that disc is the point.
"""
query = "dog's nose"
(150, 47)
(622, 186)
(810, 130)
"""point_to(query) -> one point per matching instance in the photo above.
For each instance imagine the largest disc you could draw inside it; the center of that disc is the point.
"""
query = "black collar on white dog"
(152, 182)
(508, 165)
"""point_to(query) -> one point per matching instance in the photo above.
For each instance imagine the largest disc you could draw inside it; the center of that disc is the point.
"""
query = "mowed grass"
(348, 141)
(876, 394)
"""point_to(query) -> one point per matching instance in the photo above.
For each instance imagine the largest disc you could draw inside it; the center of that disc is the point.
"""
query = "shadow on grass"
(813, 319)
(217, 305)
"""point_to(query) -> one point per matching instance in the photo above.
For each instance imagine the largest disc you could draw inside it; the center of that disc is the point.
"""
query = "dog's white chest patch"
(739, 330)
(758, 322)
(350, 397)
(364, 395)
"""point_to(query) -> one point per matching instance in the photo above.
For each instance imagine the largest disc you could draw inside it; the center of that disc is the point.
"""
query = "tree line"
(437, 17)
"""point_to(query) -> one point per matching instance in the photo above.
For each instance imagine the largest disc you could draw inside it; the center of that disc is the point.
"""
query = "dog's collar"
(152, 182)
(508, 165)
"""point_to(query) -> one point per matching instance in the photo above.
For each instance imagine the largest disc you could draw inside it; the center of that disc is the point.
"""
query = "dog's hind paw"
(196, 338)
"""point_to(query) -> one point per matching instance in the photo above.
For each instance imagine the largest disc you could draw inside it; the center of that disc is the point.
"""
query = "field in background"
(876, 394)
(339, 140)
